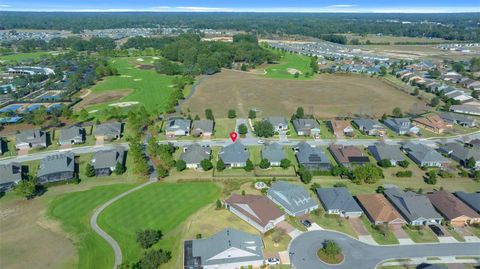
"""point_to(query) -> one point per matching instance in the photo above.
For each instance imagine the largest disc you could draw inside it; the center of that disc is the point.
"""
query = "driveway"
(363, 256)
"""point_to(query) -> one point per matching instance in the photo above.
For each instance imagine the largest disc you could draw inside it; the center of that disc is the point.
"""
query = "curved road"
(93, 223)
(303, 251)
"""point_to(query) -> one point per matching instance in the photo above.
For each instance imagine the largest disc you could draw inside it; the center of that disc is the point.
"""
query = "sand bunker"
(137, 79)
(293, 71)
(140, 60)
(124, 104)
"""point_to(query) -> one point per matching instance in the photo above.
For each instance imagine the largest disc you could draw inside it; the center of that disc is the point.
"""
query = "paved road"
(249, 141)
(303, 251)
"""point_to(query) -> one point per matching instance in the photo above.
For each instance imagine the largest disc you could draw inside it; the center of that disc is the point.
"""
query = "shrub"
(89, 170)
(384, 163)
(431, 177)
(242, 129)
(206, 164)
(232, 114)
(305, 175)
(154, 258)
(264, 164)
(162, 171)
(249, 166)
(180, 165)
(407, 173)
(220, 165)
(119, 168)
(148, 238)
(340, 184)
(285, 163)
(445, 174)
(252, 114)
(403, 163)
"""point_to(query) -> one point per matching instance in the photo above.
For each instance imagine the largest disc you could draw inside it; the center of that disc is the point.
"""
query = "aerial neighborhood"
(239, 141)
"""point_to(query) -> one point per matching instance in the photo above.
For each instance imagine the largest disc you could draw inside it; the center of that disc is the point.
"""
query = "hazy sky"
(242, 5)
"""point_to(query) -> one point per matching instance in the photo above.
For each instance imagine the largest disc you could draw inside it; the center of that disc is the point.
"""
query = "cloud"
(341, 6)
(205, 9)
(4, 5)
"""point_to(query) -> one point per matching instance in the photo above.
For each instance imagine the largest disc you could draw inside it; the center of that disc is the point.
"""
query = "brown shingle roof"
(258, 208)
(342, 153)
(378, 208)
(450, 206)
(433, 121)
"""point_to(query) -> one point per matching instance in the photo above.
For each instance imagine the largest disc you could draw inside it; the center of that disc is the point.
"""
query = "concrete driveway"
(359, 255)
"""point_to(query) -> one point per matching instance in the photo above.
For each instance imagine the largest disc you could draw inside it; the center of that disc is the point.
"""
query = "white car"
(272, 261)
(261, 142)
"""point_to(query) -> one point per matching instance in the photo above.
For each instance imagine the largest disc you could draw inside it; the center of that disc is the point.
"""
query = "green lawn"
(24, 56)
(255, 154)
(149, 88)
(424, 235)
(287, 61)
(223, 127)
(333, 222)
(162, 206)
(377, 236)
(74, 210)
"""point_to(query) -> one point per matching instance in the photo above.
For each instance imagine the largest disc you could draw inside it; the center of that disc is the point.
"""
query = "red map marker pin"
(233, 136)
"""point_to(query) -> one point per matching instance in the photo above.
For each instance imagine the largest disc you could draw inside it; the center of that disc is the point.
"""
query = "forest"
(455, 26)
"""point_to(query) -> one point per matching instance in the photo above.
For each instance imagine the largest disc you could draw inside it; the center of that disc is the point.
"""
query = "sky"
(369, 6)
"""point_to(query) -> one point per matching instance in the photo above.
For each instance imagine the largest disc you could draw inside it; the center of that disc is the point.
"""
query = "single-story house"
(10, 175)
(387, 152)
(104, 162)
(454, 118)
(227, 249)
(471, 199)
(274, 153)
(424, 155)
(453, 209)
(370, 127)
(401, 126)
(312, 158)
(474, 143)
(294, 199)
(432, 123)
(71, 135)
(379, 211)
(203, 128)
(108, 131)
(56, 167)
(307, 127)
(234, 155)
(348, 155)
(415, 208)
(460, 153)
(31, 139)
(256, 210)
(341, 128)
(194, 154)
(177, 127)
(470, 108)
(279, 123)
(339, 201)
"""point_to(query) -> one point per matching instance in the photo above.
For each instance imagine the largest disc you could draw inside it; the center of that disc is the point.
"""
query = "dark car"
(306, 223)
(436, 230)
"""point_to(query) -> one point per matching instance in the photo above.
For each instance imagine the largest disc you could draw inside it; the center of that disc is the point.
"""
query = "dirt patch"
(102, 97)
(145, 66)
(293, 71)
(327, 95)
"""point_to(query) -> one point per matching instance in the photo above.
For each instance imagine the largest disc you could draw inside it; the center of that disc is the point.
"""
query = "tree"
(148, 237)
(152, 259)
(248, 166)
(380, 189)
(180, 165)
(403, 163)
(89, 170)
(162, 171)
(232, 114)
(83, 115)
(416, 92)
(397, 112)
(470, 162)
(26, 188)
(220, 165)
(242, 129)
(314, 64)
(475, 94)
(305, 175)
(431, 177)
(119, 168)
(296, 75)
(331, 248)
(285, 163)
(218, 205)
(367, 173)
(264, 164)
(299, 114)
(435, 101)
(383, 71)
(252, 114)
(263, 128)
(206, 164)
(385, 163)
(209, 114)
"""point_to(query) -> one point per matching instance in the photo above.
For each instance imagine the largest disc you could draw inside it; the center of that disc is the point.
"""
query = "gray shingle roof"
(210, 250)
(109, 129)
(10, 172)
(205, 126)
(308, 154)
(175, 124)
(195, 153)
(275, 121)
(305, 124)
(412, 205)
(423, 153)
(401, 124)
(234, 153)
(108, 158)
(62, 162)
(369, 124)
(71, 133)
(460, 152)
(31, 136)
(386, 152)
(273, 152)
(338, 198)
(456, 118)
(471, 199)
(292, 197)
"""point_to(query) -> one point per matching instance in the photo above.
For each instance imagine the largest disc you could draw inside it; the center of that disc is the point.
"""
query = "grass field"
(23, 56)
(74, 211)
(158, 206)
(388, 38)
(325, 96)
(132, 85)
(289, 64)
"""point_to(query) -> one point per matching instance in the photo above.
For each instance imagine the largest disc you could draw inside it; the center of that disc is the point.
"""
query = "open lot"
(289, 64)
(325, 95)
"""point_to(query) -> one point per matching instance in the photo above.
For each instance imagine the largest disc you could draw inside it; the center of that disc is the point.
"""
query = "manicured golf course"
(290, 61)
(74, 210)
(160, 206)
(148, 87)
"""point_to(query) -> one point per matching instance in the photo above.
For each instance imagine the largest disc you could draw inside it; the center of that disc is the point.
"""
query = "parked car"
(272, 261)
(261, 142)
(306, 223)
(436, 230)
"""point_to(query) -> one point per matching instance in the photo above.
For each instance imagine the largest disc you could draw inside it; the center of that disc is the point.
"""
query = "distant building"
(425, 156)
(202, 128)
(279, 123)
(348, 155)
(339, 201)
(391, 153)
(294, 199)
(72, 135)
(307, 127)
(370, 127)
(234, 155)
(194, 154)
(30, 70)
(108, 131)
(312, 158)
(57, 167)
(401, 126)
(104, 162)
(274, 153)
(177, 127)
(31, 139)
